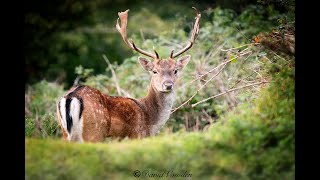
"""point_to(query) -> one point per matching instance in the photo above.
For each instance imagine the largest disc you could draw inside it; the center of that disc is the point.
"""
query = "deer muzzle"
(167, 85)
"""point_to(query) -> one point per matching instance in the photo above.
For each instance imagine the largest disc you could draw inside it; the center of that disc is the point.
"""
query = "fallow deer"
(87, 115)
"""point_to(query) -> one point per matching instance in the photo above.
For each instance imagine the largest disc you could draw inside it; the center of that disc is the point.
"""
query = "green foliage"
(246, 134)
(62, 35)
(220, 29)
(40, 108)
(254, 141)
(266, 134)
(29, 127)
(84, 73)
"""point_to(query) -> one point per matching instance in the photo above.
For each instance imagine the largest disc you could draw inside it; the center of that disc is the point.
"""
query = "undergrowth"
(254, 141)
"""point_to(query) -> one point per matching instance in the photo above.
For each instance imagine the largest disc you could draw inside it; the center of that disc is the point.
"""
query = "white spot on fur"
(94, 115)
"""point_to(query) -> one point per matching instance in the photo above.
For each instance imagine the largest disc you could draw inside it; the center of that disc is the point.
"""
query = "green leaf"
(232, 56)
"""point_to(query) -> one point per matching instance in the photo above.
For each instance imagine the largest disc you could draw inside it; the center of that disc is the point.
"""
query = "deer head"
(86, 114)
(163, 71)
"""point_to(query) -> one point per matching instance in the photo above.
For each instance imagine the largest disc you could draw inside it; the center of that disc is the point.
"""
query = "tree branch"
(239, 46)
(227, 91)
(222, 64)
(199, 89)
(114, 77)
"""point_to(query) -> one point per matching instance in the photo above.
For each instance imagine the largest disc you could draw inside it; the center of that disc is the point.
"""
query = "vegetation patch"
(251, 142)
(234, 115)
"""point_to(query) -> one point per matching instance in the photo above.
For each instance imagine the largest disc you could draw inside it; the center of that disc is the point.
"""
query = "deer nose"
(167, 85)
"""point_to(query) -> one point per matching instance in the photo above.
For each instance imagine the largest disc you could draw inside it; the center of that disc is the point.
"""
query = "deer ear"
(182, 62)
(146, 64)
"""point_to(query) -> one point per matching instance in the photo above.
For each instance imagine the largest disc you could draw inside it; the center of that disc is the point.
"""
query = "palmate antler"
(123, 31)
(196, 28)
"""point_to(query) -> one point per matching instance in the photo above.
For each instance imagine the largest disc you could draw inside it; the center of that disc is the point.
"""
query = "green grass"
(251, 142)
(254, 140)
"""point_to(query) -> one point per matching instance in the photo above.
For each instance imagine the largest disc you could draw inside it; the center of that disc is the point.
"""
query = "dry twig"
(199, 89)
(240, 46)
(115, 79)
(210, 71)
(213, 69)
(227, 91)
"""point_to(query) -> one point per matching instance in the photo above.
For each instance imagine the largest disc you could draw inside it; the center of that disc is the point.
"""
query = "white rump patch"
(62, 109)
(76, 129)
(75, 109)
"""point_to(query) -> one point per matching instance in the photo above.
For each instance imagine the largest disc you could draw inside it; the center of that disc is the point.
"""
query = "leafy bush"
(247, 134)
(219, 33)
(40, 107)
(223, 29)
(266, 134)
(253, 141)
(60, 35)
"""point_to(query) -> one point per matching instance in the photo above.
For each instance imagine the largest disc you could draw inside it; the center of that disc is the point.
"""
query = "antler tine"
(156, 53)
(171, 53)
(196, 28)
(123, 31)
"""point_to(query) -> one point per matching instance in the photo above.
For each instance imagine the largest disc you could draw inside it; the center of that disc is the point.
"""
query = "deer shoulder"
(86, 114)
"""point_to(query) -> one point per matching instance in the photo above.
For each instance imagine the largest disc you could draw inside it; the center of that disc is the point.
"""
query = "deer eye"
(155, 72)
(175, 71)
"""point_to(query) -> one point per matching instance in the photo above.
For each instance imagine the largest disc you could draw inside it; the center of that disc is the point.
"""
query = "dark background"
(60, 35)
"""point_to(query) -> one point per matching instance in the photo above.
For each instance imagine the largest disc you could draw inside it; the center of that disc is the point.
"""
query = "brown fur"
(108, 116)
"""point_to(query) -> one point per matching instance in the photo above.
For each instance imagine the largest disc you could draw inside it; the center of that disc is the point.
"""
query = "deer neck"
(158, 108)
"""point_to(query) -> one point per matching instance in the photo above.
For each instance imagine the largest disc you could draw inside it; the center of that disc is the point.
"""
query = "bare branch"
(257, 73)
(227, 91)
(240, 46)
(213, 53)
(199, 89)
(242, 80)
(141, 34)
(76, 81)
(115, 79)
(213, 69)
(113, 74)
(242, 53)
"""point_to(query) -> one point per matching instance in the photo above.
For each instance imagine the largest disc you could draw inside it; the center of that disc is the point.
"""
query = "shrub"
(253, 141)
(40, 109)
